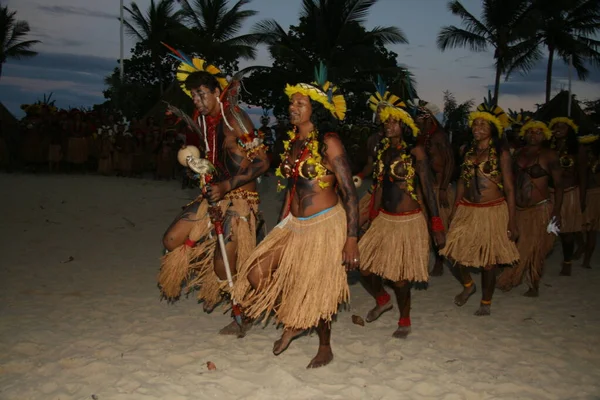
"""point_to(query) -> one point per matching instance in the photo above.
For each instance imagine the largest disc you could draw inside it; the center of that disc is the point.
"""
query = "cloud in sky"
(81, 46)
(72, 10)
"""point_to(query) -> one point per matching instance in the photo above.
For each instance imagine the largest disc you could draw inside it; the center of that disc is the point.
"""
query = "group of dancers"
(495, 216)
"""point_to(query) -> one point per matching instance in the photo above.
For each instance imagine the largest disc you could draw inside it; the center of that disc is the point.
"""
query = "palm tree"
(12, 33)
(504, 25)
(160, 24)
(566, 29)
(215, 28)
(333, 33)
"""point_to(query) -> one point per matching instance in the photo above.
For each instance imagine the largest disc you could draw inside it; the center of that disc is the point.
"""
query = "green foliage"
(12, 35)
(332, 32)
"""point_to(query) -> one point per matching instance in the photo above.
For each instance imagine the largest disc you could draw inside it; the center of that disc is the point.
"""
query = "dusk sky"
(81, 46)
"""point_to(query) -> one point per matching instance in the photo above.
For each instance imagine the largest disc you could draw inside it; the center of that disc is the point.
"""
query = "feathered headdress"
(531, 123)
(587, 139)
(382, 95)
(518, 118)
(389, 105)
(564, 120)
(492, 113)
(321, 91)
(191, 65)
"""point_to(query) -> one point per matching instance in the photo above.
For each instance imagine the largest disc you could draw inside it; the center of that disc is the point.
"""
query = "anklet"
(404, 322)
(383, 299)
(468, 285)
(486, 302)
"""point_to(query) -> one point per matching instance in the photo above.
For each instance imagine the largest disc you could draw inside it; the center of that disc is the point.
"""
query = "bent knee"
(170, 242)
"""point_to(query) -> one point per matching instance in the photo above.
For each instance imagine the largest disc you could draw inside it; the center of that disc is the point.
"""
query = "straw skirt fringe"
(534, 244)
(309, 281)
(570, 212)
(477, 236)
(396, 247)
(195, 266)
(592, 210)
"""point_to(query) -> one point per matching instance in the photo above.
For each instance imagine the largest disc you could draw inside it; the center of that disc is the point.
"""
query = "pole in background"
(122, 43)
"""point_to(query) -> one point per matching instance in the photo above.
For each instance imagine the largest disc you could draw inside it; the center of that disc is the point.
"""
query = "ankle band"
(383, 299)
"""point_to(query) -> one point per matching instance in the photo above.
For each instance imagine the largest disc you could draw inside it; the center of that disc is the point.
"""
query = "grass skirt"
(534, 244)
(195, 266)
(570, 213)
(309, 282)
(396, 247)
(477, 235)
(592, 210)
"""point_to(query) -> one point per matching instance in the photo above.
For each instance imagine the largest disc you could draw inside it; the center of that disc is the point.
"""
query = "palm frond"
(471, 23)
(453, 37)
(387, 35)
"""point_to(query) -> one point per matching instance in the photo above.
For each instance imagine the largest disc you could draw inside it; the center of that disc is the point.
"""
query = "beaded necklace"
(470, 168)
(405, 159)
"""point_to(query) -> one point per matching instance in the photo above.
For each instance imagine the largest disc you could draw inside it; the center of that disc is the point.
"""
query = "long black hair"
(324, 122)
(571, 142)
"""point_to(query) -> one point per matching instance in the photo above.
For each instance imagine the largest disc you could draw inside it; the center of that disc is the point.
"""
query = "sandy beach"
(81, 318)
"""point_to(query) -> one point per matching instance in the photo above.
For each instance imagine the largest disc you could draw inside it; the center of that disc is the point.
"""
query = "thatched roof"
(558, 107)
(9, 123)
(174, 96)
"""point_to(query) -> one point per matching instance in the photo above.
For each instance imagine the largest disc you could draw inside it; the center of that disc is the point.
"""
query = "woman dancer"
(535, 165)
(298, 269)
(591, 217)
(396, 245)
(483, 229)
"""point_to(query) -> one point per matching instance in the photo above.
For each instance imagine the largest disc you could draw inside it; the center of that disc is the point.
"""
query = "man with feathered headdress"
(233, 146)
(441, 159)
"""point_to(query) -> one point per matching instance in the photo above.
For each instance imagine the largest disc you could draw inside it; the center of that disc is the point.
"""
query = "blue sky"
(80, 46)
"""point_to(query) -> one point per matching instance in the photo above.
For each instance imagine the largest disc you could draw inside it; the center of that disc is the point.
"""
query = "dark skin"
(392, 196)
(571, 177)
(243, 174)
(309, 199)
(488, 191)
(534, 165)
(441, 159)
(593, 181)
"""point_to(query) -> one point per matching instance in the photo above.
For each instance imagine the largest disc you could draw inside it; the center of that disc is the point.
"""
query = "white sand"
(95, 328)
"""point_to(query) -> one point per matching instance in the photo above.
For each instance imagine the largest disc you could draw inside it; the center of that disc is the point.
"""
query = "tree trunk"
(549, 73)
(497, 83)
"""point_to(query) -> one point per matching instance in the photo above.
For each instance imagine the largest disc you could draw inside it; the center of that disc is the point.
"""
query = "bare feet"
(283, 343)
(578, 253)
(438, 268)
(376, 311)
(324, 356)
(484, 309)
(462, 298)
(402, 332)
(532, 293)
(233, 329)
(566, 268)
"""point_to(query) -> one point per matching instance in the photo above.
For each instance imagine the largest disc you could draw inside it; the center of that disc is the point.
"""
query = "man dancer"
(234, 148)
(441, 160)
